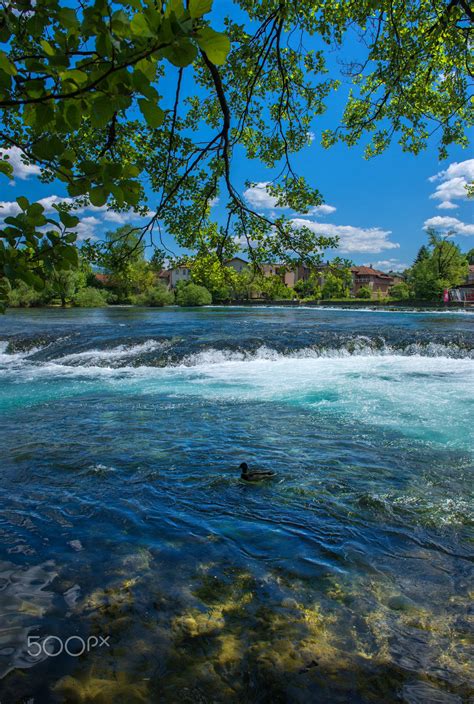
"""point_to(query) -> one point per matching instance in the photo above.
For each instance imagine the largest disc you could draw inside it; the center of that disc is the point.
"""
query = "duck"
(254, 476)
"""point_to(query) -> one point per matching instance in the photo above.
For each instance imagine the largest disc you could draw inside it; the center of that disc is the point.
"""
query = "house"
(237, 264)
(288, 276)
(464, 292)
(164, 277)
(179, 273)
(379, 282)
(102, 279)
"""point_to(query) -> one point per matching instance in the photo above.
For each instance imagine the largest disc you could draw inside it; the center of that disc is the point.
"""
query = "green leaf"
(103, 109)
(6, 65)
(23, 202)
(215, 44)
(142, 84)
(68, 17)
(6, 168)
(70, 255)
(68, 220)
(140, 27)
(48, 148)
(175, 6)
(98, 196)
(73, 115)
(74, 75)
(47, 48)
(181, 53)
(153, 114)
(35, 210)
(147, 67)
(78, 187)
(44, 114)
(198, 8)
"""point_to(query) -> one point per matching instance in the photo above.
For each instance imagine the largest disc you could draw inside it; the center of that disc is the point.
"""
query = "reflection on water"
(347, 578)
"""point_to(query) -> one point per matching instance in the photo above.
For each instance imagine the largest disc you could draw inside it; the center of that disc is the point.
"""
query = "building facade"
(379, 282)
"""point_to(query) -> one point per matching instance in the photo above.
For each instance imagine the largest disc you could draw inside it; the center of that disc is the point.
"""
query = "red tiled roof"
(368, 271)
(103, 278)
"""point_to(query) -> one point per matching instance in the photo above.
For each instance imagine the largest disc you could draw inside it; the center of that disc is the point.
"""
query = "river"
(135, 566)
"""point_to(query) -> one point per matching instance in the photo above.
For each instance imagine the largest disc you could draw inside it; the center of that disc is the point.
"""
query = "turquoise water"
(345, 579)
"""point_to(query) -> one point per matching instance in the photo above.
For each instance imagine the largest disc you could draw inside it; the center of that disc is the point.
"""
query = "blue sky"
(380, 208)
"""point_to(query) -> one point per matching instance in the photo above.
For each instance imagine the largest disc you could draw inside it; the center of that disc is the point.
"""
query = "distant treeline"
(132, 279)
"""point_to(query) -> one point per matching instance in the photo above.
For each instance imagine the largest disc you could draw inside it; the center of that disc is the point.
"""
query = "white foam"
(114, 353)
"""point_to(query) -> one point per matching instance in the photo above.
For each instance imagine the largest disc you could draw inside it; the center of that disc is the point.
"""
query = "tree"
(365, 292)
(208, 271)
(66, 283)
(80, 95)
(155, 296)
(24, 296)
(310, 287)
(400, 291)
(423, 253)
(444, 268)
(90, 297)
(157, 261)
(124, 260)
(470, 256)
(337, 280)
(189, 294)
(272, 287)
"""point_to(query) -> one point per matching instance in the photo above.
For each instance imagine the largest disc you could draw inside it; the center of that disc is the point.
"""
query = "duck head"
(244, 468)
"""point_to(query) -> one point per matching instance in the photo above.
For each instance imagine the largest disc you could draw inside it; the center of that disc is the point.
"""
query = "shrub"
(156, 296)
(365, 292)
(400, 291)
(90, 297)
(192, 295)
(24, 296)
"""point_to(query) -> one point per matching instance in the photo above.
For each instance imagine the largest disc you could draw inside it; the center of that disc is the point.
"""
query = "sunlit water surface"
(346, 579)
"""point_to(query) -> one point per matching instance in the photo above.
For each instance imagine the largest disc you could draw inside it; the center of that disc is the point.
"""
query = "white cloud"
(322, 210)
(446, 205)
(9, 208)
(49, 202)
(449, 225)
(352, 239)
(20, 169)
(388, 265)
(112, 216)
(259, 197)
(87, 227)
(453, 181)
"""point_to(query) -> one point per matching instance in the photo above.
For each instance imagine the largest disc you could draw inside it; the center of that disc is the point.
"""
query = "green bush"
(400, 291)
(24, 296)
(365, 292)
(192, 295)
(156, 296)
(90, 297)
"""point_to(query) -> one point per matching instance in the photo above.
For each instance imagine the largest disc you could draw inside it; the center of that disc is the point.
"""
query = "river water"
(126, 532)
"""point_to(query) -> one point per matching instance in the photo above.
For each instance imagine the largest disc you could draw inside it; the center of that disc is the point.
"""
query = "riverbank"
(357, 303)
(338, 304)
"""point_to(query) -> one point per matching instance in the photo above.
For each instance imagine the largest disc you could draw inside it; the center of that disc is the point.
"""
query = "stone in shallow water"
(400, 603)
(422, 692)
(76, 545)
